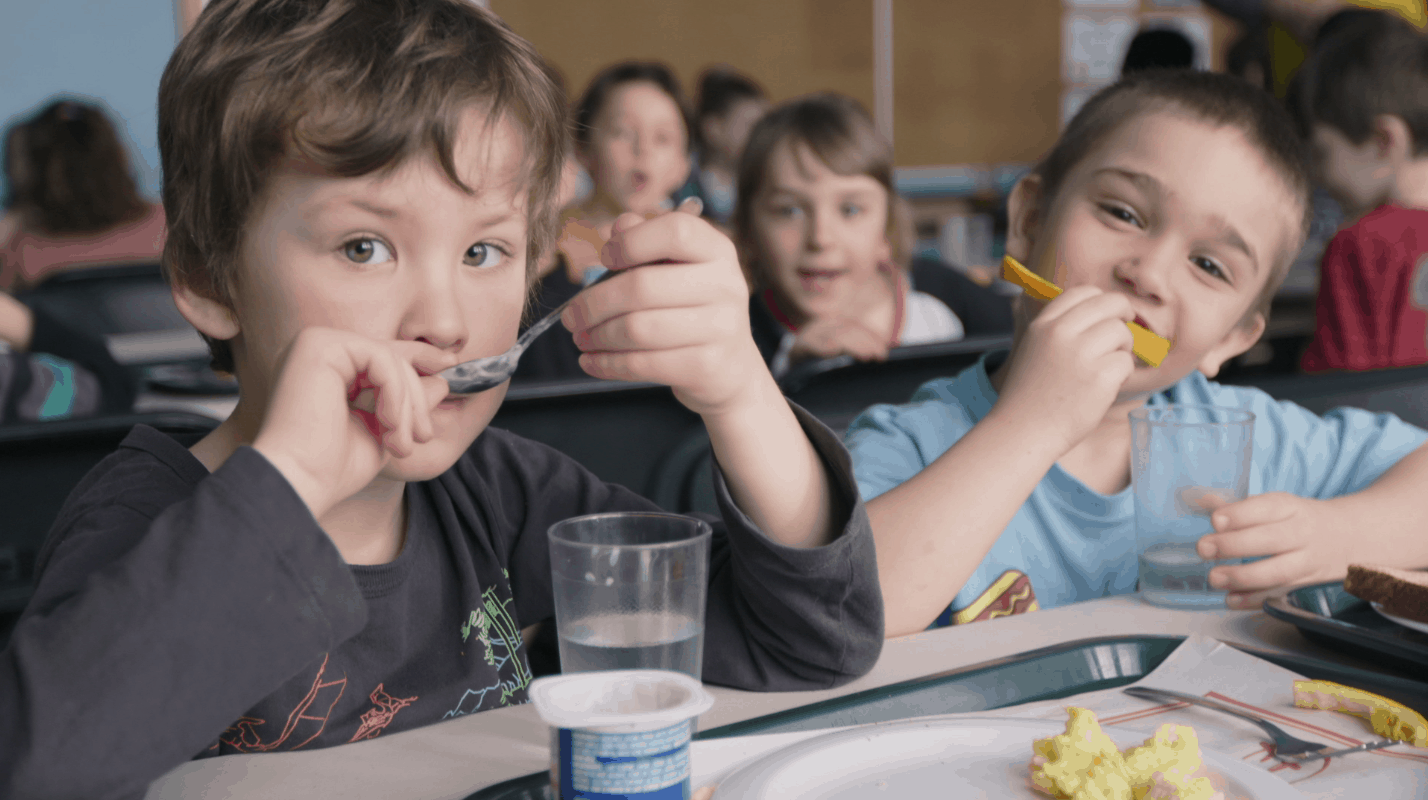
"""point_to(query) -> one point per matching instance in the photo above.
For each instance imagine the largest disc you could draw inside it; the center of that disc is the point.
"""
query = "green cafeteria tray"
(1062, 670)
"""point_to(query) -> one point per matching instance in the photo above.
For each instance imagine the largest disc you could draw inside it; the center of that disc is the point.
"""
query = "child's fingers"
(682, 238)
(661, 329)
(1262, 509)
(1260, 540)
(658, 286)
(1097, 309)
(1260, 575)
(1064, 302)
(1107, 336)
(680, 367)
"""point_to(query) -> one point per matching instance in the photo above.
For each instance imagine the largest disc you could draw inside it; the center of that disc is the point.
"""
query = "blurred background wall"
(109, 51)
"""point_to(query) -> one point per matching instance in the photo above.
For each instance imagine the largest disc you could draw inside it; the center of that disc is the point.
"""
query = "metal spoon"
(480, 374)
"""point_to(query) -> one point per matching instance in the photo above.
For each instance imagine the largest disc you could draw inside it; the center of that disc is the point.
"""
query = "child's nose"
(1143, 278)
(434, 316)
(822, 226)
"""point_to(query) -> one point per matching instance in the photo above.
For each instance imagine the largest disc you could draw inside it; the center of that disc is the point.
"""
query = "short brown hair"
(68, 172)
(1209, 97)
(356, 86)
(604, 84)
(839, 131)
(1370, 65)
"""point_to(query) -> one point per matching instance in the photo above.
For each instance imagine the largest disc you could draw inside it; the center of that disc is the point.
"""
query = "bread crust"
(1401, 592)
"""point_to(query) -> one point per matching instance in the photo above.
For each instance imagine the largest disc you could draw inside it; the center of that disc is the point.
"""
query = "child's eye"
(852, 209)
(366, 251)
(787, 212)
(1211, 268)
(482, 255)
(1121, 213)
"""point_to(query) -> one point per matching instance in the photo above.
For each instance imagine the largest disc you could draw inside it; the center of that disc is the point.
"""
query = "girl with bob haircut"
(825, 241)
(72, 200)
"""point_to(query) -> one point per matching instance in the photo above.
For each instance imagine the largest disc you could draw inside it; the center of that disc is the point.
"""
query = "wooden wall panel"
(975, 81)
(790, 46)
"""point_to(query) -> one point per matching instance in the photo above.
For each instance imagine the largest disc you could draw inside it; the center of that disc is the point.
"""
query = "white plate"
(972, 757)
(1404, 621)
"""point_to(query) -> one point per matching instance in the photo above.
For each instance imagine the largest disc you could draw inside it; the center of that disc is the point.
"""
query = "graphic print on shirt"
(500, 639)
(1419, 283)
(307, 720)
(375, 720)
(1009, 594)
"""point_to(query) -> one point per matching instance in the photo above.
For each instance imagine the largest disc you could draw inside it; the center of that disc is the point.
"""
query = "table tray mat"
(1062, 670)
(1328, 615)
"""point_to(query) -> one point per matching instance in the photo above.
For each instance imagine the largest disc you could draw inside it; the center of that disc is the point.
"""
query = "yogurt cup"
(620, 733)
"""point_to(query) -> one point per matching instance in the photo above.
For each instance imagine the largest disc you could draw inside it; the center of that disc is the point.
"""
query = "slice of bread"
(1401, 592)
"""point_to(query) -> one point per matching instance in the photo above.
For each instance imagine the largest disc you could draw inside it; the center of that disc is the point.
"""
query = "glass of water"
(630, 590)
(1186, 461)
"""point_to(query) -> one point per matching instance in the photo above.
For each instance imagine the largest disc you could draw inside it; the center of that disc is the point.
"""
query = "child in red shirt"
(1362, 99)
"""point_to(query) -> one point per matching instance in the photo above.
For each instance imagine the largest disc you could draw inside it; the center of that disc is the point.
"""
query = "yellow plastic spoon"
(1152, 348)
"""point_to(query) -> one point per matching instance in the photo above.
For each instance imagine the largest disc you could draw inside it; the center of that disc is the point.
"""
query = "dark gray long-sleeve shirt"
(180, 614)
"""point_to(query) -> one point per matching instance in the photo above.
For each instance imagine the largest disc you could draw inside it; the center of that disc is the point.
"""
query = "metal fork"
(1286, 747)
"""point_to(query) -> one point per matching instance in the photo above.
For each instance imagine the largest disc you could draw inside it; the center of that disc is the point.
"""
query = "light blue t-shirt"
(1074, 543)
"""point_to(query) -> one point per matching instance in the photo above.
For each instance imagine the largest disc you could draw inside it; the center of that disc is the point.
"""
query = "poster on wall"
(1093, 45)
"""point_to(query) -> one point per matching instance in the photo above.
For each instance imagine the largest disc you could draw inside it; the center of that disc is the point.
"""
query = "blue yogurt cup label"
(642, 765)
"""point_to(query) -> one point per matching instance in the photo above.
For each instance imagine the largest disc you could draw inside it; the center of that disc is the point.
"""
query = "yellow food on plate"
(1389, 719)
(1084, 764)
(1169, 765)
(1149, 346)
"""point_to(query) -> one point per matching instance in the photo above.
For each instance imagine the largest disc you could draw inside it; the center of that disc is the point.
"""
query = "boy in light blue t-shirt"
(1177, 201)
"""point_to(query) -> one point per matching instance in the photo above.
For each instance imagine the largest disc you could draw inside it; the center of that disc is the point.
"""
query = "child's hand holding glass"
(1298, 540)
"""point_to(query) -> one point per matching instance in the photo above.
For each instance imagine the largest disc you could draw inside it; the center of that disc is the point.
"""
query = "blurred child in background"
(729, 105)
(1362, 99)
(50, 370)
(632, 136)
(826, 239)
(72, 200)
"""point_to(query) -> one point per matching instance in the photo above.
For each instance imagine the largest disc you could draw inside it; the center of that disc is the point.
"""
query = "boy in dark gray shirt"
(356, 190)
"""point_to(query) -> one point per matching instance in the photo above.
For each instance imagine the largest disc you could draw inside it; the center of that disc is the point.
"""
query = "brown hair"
(356, 86)
(838, 130)
(68, 172)
(1209, 97)
(1370, 64)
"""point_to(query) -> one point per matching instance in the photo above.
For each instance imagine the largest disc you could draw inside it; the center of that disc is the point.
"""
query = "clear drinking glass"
(1186, 461)
(630, 590)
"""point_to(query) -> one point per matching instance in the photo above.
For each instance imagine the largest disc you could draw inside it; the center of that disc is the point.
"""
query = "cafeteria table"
(453, 759)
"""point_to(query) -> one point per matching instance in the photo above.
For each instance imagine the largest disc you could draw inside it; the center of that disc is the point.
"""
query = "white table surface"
(455, 758)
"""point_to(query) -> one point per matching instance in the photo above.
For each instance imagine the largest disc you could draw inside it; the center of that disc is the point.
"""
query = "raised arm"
(681, 319)
(936, 524)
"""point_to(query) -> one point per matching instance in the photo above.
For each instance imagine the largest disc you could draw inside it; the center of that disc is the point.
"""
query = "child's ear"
(1240, 338)
(1023, 217)
(210, 317)
(1393, 139)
